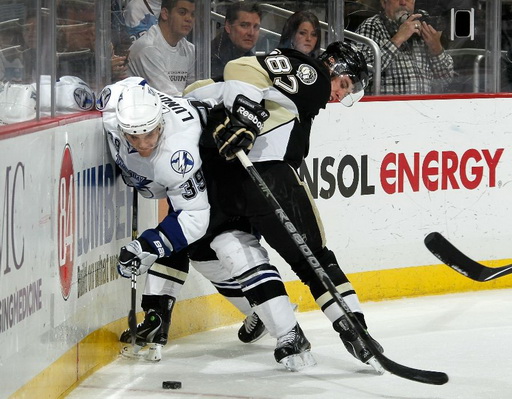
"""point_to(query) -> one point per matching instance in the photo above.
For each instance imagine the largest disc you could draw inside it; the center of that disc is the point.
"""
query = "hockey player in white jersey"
(154, 139)
(155, 147)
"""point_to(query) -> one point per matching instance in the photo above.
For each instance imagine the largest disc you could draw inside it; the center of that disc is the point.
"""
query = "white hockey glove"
(134, 253)
(240, 128)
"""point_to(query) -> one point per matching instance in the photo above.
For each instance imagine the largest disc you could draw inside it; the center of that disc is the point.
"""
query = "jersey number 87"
(280, 65)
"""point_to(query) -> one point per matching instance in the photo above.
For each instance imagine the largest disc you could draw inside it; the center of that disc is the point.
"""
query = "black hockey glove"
(137, 252)
(240, 128)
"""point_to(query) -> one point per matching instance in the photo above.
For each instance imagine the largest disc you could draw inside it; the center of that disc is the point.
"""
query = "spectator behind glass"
(28, 49)
(301, 32)
(11, 44)
(506, 46)
(29, 26)
(163, 56)
(140, 15)
(413, 58)
(76, 39)
(239, 36)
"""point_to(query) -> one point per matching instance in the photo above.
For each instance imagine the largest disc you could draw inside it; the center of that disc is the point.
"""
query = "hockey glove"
(136, 252)
(240, 128)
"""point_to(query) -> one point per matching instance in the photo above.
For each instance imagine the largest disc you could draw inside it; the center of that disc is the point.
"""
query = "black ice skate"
(151, 331)
(354, 346)
(252, 330)
(293, 350)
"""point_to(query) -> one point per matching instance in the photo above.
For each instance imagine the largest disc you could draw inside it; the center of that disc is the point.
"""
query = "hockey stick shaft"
(424, 376)
(452, 257)
(132, 318)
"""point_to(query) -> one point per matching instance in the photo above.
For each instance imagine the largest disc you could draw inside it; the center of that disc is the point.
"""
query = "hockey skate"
(355, 347)
(252, 329)
(293, 350)
(151, 333)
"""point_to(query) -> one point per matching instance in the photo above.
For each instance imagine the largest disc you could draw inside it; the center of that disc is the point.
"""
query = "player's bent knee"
(211, 270)
(238, 250)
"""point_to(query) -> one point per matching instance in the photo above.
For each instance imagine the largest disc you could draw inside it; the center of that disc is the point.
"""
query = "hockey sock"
(265, 291)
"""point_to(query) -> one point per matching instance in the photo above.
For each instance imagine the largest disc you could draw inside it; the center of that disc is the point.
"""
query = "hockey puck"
(171, 384)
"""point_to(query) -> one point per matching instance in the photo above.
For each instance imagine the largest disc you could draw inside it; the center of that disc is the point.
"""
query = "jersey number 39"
(193, 185)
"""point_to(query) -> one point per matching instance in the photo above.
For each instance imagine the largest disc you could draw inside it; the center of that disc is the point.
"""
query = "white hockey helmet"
(17, 103)
(139, 110)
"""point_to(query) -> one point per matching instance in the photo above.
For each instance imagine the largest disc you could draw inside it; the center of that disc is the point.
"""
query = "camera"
(437, 22)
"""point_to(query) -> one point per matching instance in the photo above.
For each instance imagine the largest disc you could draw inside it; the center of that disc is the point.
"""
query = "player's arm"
(244, 114)
(205, 90)
(240, 127)
(186, 222)
(245, 76)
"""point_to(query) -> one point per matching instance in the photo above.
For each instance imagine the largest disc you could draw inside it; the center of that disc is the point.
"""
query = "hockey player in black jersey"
(269, 105)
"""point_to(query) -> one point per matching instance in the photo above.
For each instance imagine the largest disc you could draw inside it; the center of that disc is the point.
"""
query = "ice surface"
(466, 335)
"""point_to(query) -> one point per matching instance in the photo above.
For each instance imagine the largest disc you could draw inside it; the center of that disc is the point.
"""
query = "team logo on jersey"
(103, 98)
(83, 98)
(182, 162)
(307, 74)
(115, 141)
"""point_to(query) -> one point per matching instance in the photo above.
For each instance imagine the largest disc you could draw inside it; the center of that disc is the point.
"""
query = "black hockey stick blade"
(424, 376)
(409, 373)
(451, 256)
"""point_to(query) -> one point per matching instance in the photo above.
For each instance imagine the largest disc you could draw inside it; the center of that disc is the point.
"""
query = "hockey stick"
(132, 318)
(459, 262)
(424, 376)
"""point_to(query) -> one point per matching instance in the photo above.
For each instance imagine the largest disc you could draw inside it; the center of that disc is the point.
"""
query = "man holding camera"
(413, 58)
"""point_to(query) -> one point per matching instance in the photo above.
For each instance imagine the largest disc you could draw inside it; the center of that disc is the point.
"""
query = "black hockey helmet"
(343, 59)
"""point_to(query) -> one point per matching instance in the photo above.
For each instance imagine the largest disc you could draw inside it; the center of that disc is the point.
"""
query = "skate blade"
(299, 361)
(154, 353)
(376, 365)
(132, 351)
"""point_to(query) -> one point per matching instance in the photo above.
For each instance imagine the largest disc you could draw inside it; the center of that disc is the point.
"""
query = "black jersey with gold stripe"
(302, 79)
(293, 87)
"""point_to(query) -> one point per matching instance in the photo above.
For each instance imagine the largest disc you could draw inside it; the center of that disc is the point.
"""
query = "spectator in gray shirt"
(163, 56)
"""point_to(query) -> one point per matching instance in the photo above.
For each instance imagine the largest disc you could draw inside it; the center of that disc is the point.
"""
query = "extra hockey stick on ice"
(424, 376)
(459, 262)
(132, 318)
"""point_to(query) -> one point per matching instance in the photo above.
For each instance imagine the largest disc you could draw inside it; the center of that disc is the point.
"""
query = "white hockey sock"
(277, 315)
(333, 311)
(241, 303)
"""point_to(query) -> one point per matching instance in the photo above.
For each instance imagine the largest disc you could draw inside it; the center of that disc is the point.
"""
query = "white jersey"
(138, 17)
(166, 68)
(172, 171)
